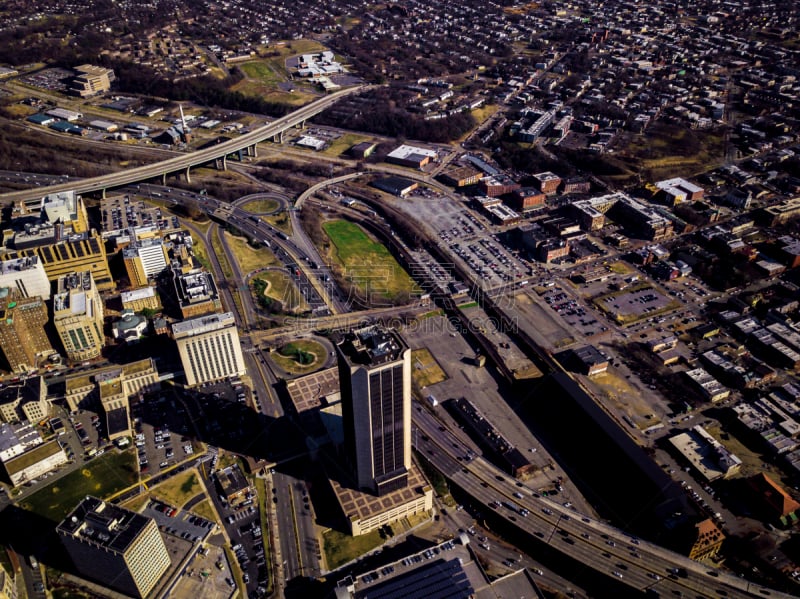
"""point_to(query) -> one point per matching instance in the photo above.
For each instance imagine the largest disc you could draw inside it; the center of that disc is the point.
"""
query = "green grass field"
(290, 357)
(248, 258)
(261, 206)
(340, 548)
(282, 288)
(367, 263)
(262, 71)
(101, 477)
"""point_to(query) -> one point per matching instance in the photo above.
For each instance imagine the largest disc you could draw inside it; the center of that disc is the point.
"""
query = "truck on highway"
(515, 508)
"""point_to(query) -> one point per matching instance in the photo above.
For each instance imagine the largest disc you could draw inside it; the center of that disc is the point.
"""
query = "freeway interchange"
(639, 564)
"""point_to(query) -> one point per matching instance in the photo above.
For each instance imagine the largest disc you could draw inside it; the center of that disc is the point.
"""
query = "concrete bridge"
(244, 145)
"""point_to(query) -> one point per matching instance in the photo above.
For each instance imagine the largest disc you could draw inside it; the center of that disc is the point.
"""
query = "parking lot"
(573, 312)
(207, 575)
(160, 432)
(491, 261)
(628, 306)
(177, 522)
(243, 524)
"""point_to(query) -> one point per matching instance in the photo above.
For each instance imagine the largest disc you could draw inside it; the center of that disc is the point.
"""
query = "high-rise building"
(143, 260)
(375, 379)
(78, 316)
(209, 348)
(115, 547)
(23, 341)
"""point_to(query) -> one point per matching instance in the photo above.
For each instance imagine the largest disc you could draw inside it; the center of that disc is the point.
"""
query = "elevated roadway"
(183, 163)
(638, 564)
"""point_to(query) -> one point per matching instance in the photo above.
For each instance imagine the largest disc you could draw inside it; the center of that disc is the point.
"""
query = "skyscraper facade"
(23, 341)
(375, 379)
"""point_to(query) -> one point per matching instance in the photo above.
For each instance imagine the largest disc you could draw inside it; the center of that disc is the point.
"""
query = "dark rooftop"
(117, 421)
(438, 579)
(103, 524)
(371, 346)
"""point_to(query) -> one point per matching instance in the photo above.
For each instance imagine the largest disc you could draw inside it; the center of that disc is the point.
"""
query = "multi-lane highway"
(636, 563)
(299, 548)
(184, 162)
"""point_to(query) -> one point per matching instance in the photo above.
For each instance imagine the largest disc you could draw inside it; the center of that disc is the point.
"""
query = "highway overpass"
(638, 564)
(183, 163)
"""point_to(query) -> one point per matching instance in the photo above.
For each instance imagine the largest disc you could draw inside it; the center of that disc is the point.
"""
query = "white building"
(209, 348)
(25, 456)
(27, 275)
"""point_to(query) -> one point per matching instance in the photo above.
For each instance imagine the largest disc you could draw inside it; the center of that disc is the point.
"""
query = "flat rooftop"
(103, 524)
(308, 392)
(371, 346)
(360, 506)
(203, 324)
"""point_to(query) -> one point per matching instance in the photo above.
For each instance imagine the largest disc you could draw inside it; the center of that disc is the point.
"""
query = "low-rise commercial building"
(82, 390)
(25, 400)
(460, 176)
(144, 298)
(705, 454)
(709, 387)
(412, 156)
(395, 185)
(234, 486)
(25, 455)
(526, 199)
(548, 182)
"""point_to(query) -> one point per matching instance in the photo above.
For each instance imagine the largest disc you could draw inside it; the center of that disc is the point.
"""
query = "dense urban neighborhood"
(442, 299)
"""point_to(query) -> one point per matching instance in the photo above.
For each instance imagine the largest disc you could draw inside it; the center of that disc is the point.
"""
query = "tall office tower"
(209, 348)
(114, 546)
(78, 316)
(375, 379)
(143, 260)
(23, 341)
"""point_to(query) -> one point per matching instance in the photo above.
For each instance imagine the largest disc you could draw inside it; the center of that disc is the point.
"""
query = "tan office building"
(23, 341)
(78, 316)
